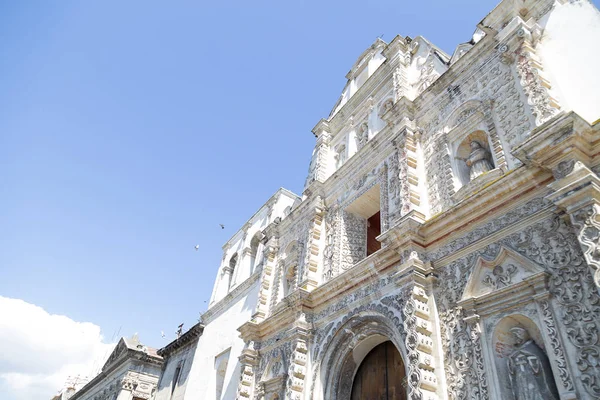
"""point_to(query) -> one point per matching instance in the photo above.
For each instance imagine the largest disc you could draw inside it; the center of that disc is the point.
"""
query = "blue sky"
(130, 130)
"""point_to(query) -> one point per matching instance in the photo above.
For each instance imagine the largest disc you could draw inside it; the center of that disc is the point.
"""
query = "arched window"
(340, 155)
(254, 255)
(232, 264)
(290, 268)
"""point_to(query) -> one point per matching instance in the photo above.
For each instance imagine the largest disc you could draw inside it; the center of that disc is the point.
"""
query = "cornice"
(380, 78)
(192, 334)
(129, 355)
(265, 207)
(225, 302)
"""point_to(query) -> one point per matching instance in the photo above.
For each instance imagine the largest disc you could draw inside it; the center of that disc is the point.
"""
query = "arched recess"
(380, 375)
(347, 349)
(255, 258)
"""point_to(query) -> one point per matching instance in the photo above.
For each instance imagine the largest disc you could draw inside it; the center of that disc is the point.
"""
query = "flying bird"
(162, 334)
(197, 247)
(222, 226)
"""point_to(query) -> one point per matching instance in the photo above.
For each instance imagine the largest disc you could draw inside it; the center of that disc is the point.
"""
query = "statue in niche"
(478, 160)
(529, 369)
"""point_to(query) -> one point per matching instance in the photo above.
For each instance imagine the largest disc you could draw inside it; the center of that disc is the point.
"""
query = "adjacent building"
(130, 373)
(446, 243)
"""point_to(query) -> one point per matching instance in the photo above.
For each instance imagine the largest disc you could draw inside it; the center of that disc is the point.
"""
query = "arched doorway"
(381, 375)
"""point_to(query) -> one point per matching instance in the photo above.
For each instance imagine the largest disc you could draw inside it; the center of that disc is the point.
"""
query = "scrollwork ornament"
(587, 223)
(556, 346)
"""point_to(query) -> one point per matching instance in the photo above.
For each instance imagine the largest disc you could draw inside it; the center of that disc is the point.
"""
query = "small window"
(254, 243)
(232, 265)
(175, 378)
(373, 230)
(221, 362)
(340, 155)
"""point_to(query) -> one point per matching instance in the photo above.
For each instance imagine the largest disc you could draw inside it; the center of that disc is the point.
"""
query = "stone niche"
(472, 167)
(509, 297)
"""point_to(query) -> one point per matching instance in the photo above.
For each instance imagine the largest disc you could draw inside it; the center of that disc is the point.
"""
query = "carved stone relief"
(353, 240)
(552, 245)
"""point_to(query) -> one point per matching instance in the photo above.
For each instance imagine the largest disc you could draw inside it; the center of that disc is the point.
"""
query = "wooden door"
(380, 375)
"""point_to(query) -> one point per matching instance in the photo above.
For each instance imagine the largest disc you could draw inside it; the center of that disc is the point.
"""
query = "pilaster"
(248, 364)
(266, 280)
(319, 168)
(531, 73)
(310, 274)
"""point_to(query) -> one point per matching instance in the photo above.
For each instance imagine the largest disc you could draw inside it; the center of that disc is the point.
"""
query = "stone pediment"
(508, 269)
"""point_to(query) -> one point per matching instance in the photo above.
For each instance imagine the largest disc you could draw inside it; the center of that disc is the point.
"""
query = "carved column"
(310, 273)
(331, 251)
(418, 323)
(497, 148)
(266, 279)
(298, 359)
(409, 185)
(535, 86)
(248, 363)
(319, 169)
(555, 351)
(577, 191)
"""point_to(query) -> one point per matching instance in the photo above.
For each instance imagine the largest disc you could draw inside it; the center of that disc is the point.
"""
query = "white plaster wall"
(240, 241)
(219, 335)
(570, 56)
(184, 357)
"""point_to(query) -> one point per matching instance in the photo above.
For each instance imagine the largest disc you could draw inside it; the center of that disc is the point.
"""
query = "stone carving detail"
(439, 173)
(394, 187)
(500, 277)
(386, 107)
(535, 86)
(529, 369)
(354, 239)
(317, 170)
(587, 224)
(563, 169)
(330, 331)
(331, 252)
(465, 374)
(478, 160)
(428, 75)
(264, 293)
(400, 82)
(382, 178)
(551, 244)
(511, 217)
(557, 349)
(362, 135)
(505, 115)
(307, 270)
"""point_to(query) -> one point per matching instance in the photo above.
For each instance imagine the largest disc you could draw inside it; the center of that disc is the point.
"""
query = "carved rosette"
(536, 87)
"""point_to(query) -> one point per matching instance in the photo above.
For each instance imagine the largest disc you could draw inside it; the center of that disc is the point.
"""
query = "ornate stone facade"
(473, 260)
(130, 373)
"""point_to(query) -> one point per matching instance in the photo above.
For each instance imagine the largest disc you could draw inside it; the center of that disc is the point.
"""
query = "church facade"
(446, 244)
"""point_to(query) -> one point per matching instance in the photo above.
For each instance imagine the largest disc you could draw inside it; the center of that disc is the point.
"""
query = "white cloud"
(38, 350)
